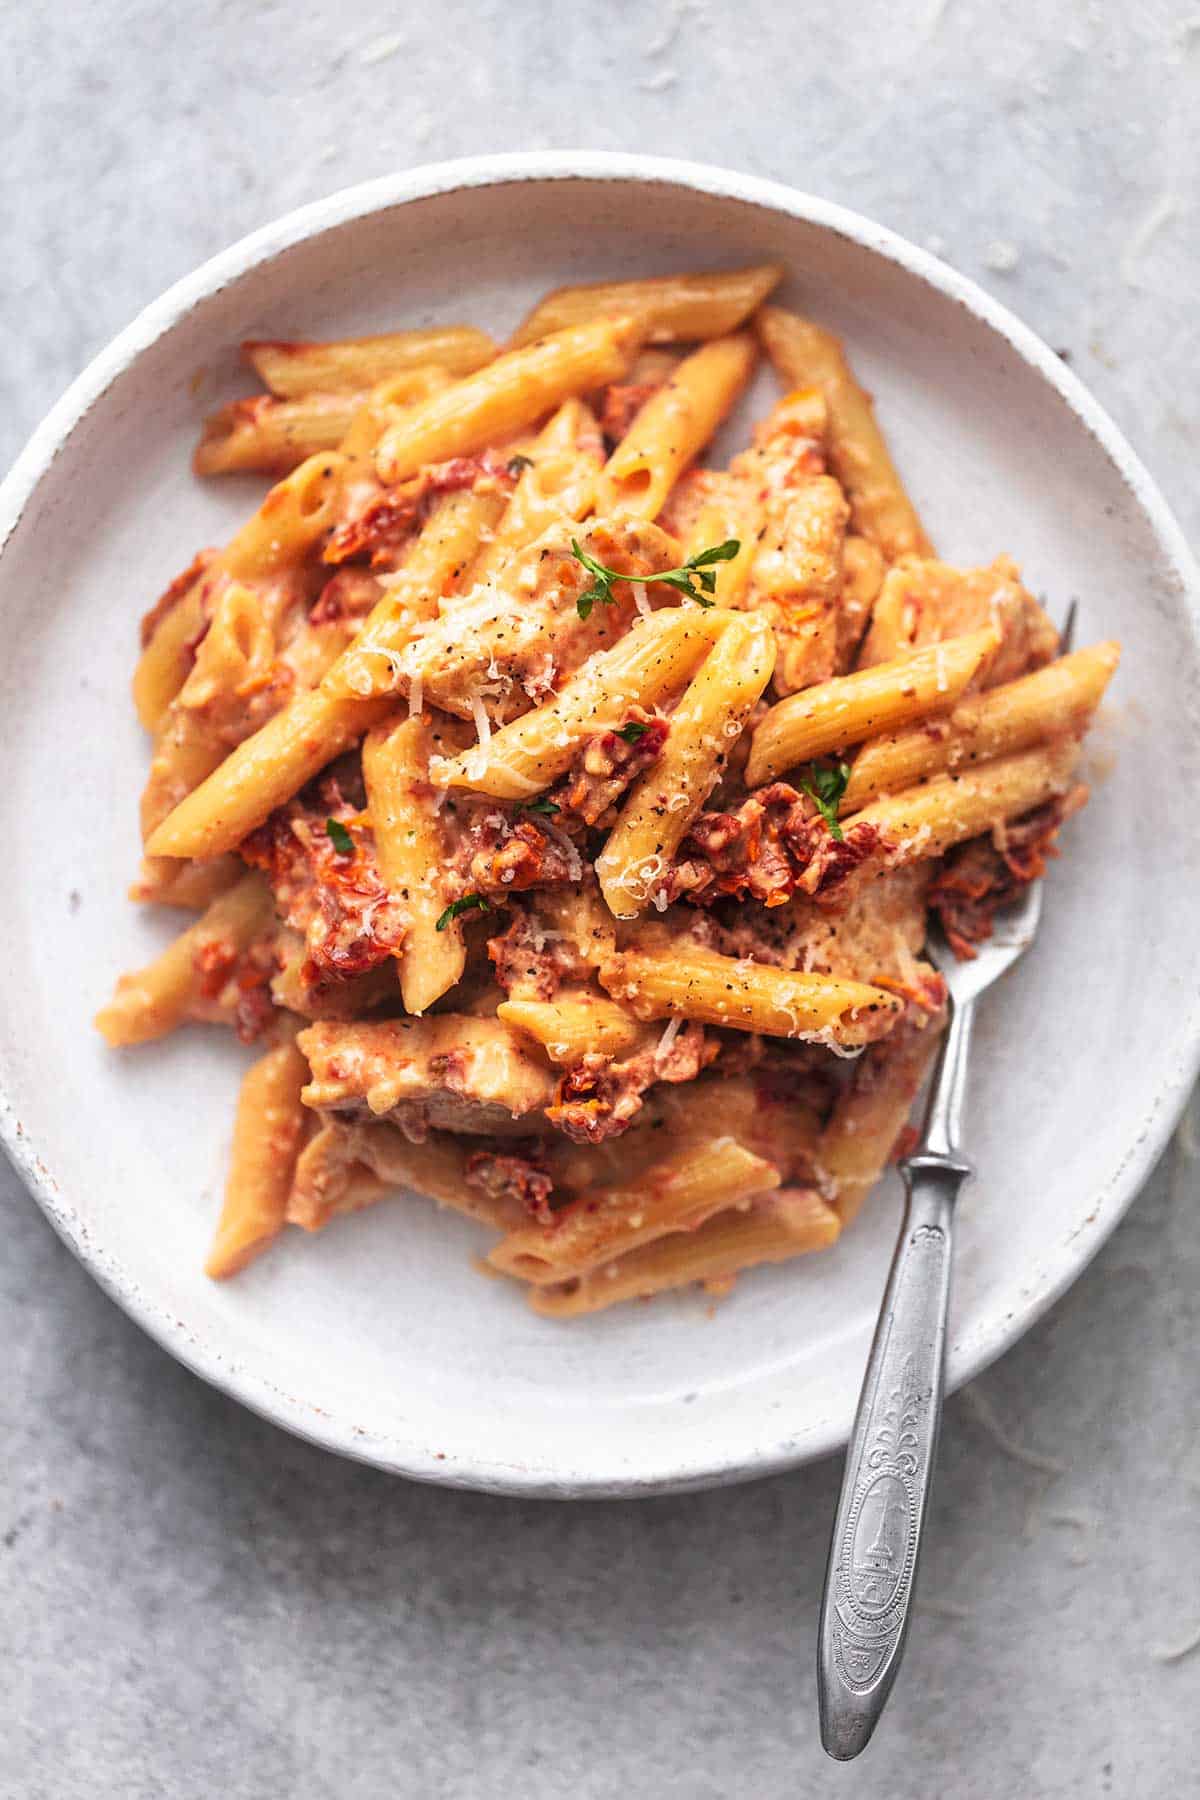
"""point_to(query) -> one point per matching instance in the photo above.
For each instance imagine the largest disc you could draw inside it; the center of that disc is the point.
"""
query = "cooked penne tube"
(163, 666)
(235, 656)
(349, 365)
(439, 1168)
(153, 1001)
(862, 577)
(262, 772)
(298, 511)
(849, 708)
(868, 1117)
(162, 881)
(882, 511)
(316, 726)
(267, 1133)
(572, 1026)
(332, 1177)
(447, 545)
(558, 483)
(668, 308)
(506, 395)
(676, 1194)
(674, 425)
(1055, 701)
(581, 918)
(664, 801)
(268, 436)
(929, 820)
(271, 437)
(682, 981)
(353, 1163)
(770, 1231)
(654, 657)
(377, 408)
(411, 849)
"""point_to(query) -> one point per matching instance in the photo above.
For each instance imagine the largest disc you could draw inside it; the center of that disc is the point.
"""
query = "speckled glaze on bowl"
(379, 1340)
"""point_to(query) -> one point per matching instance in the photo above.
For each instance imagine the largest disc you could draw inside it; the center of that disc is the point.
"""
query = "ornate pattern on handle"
(873, 1558)
(876, 1556)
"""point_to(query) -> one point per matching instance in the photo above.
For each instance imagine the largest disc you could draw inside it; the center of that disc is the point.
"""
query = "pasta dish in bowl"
(564, 807)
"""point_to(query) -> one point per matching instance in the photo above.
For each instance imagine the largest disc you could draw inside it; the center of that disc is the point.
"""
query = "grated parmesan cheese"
(574, 860)
(483, 725)
(670, 1032)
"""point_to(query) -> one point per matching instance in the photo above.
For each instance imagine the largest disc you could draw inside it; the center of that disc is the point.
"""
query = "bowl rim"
(156, 320)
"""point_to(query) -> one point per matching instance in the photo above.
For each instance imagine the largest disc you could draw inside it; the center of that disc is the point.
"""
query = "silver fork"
(880, 1518)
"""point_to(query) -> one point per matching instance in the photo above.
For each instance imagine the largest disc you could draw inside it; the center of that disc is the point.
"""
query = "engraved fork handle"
(889, 1465)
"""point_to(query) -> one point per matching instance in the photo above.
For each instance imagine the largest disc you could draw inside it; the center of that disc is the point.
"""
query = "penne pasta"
(167, 655)
(350, 365)
(162, 881)
(506, 395)
(376, 409)
(664, 801)
(674, 425)
(787, 1225)
(557, 485)
(154, 1000)
(862, 577)
(805, 355)
(352, 1163)
(265, 435)
(297, 512)
(655, 656)
(410, 845)
(849, 708)
(1056, 701)
(267, 1134)
(677, 1194)
(572, 1026)
(271, 437)
(927, 821)
(446, 547)
(263, 772)
(864, 1129)
(667, 308)
(316, 726)
(682, 981)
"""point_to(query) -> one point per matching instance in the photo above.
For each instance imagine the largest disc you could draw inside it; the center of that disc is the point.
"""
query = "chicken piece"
(925, 602)
(449, 1071)
(512, 639)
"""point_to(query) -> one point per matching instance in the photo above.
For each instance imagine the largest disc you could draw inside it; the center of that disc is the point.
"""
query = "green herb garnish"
(339, 837)
(541, 805)
(467, 904)
(632, 732)
(694, 578)
(825, 787)
(516, 465)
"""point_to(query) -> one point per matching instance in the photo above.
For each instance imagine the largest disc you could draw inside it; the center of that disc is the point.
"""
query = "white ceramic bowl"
(379, 1339)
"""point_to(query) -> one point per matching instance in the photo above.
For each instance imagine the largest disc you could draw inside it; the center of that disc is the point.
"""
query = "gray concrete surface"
(193, 1604)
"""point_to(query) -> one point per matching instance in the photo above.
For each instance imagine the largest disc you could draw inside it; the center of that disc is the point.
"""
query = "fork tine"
(1066, 637)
